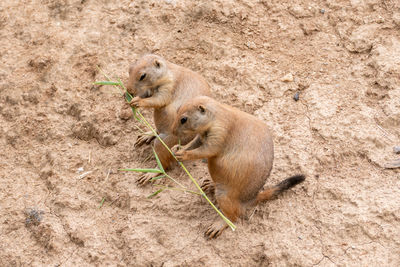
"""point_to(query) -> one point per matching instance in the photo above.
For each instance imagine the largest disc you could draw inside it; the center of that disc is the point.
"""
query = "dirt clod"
(84, 130)
(33, 217)
(31, 97)
(125, 114)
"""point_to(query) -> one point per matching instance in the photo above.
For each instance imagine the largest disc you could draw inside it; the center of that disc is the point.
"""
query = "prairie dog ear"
(157, 63)
(202, 109)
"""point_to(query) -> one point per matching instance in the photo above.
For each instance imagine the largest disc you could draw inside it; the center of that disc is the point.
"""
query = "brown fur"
(165, 87)
(239, 149)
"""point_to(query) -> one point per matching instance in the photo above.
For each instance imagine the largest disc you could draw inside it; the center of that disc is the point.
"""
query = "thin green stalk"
(155, 193)
(102, 202)
(183, 187)
(157, 177)
(163, 171)
(108, 78)
(141, 131)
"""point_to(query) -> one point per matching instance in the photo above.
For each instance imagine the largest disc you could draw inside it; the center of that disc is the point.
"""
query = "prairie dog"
(163, 86)
(240, 152)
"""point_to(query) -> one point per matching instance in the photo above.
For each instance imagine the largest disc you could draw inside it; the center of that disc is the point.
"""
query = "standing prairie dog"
(163, 86)
(240, 152)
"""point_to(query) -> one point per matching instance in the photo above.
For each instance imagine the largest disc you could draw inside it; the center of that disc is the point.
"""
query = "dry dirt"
(343, 57)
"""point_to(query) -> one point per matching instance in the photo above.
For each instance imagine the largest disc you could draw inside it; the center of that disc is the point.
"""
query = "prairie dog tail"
(272, 192)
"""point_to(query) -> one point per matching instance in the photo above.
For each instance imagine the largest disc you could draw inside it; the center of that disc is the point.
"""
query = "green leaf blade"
(158, 161)
(106, 83)
(155, 193)
(102, 202)
(128, 97)
(157, 177)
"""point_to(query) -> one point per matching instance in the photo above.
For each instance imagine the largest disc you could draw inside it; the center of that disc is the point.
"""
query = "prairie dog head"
(145, 75)
(196, 116)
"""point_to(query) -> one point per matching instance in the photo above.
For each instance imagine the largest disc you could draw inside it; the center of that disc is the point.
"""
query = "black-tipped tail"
(290, 182)
(272, 192)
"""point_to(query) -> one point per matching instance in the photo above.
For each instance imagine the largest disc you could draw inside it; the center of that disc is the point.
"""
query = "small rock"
(171, 2)
(125, 114)
(80, 169)
(84, 130)
(13, 100)
(31, 97)
(75, 111)
(322, 11)
(300, 12)
(396, 149)
(251, 45)
(287, 78)
(380, 20)
(393, 164)
(361, 39)
(308, 28)
(107, 139)
(296, 96)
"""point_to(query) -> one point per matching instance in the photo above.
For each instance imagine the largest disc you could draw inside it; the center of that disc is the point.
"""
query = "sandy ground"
(344, 60)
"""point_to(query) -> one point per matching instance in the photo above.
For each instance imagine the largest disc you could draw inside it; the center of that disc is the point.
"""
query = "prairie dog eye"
(202, 109)
(183, 120)
(142, 77)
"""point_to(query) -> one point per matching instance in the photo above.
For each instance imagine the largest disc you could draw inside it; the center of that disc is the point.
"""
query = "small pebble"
(396, 149)
(322, 11)
(251, 45)
(80, 169)
(171, 2)
(296, 96)
(287, 78)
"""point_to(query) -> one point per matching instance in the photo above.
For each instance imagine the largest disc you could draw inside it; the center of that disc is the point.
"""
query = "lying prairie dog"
(240, 152)
(163, 86)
